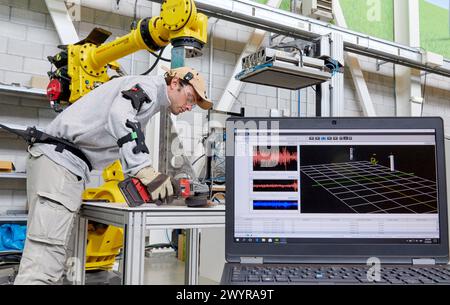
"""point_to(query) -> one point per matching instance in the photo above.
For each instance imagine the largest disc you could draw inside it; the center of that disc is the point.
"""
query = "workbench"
(135, 221)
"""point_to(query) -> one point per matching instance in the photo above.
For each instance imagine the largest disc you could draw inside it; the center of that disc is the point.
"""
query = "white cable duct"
(211, 55)
(62, 21)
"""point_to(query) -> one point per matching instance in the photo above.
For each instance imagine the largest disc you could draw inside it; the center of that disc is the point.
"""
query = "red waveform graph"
(275, 186)
(282, 158)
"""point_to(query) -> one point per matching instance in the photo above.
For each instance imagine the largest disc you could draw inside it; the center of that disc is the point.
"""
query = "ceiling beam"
(62, 21)
(278, 21)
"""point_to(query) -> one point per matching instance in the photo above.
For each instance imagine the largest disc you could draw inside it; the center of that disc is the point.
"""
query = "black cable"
(156, 246)
(155, 63)
(175, 247)
(134, 26)
(198, 159)
(134, 22)
(162, 58)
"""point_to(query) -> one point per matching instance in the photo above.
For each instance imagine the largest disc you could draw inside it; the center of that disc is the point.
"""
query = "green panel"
(376, 18)
(372, 17)
(434, 28)
(286, 5)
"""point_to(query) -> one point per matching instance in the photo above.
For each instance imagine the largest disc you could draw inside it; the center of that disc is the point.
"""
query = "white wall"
(27, 37)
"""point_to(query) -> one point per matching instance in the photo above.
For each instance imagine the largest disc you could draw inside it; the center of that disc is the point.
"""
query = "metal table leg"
(134, 247)
(78, 264)
(192, 257)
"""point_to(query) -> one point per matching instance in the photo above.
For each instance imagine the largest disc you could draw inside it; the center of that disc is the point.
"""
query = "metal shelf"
(19, 91)
(23, 92)
(13, 175)
(5, 252)
(13, 218)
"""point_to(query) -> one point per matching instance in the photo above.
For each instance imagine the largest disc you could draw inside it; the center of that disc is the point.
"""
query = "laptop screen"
(372, 186)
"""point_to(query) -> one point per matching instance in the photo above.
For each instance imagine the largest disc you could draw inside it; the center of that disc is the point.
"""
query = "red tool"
(135, 192)
(186, 188)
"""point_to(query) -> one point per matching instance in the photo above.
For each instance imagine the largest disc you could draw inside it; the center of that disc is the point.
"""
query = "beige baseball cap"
(194, 78)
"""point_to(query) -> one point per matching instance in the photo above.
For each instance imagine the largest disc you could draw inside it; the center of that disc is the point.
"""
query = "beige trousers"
(54, 198)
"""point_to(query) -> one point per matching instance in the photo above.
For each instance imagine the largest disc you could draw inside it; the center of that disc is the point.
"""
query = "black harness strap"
(137, 96)
(32, 135)
(136, 135)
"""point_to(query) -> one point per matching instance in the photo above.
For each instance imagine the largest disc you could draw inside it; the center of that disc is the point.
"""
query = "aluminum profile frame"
(278, 21)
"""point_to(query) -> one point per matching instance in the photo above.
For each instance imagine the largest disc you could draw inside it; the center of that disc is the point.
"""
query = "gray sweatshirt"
(96, 121)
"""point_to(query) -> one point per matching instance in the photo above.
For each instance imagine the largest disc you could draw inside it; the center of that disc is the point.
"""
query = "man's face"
(182, 98)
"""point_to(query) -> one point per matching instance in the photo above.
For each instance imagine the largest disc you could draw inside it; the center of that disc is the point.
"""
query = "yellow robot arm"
(81, 67)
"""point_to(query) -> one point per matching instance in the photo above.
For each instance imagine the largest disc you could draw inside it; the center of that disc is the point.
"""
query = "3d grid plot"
(368, 188)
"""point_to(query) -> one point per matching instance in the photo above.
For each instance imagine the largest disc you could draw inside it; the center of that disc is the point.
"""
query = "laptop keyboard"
(339, 275)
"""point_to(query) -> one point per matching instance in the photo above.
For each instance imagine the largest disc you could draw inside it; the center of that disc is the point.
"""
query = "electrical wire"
(134, 22)
(170, 244)
(162, 58)
(175, 247)
(156, 246)
(217, 179)
(333, 65)
(214, 197)
(221, 162)
(424, 87)
(196, 160)
(155, 63)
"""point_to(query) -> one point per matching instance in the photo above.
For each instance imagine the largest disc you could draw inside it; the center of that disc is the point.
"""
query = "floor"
(160, 269)
(166, 269)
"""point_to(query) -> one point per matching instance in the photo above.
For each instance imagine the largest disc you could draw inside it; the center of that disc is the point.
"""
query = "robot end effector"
(178, 24)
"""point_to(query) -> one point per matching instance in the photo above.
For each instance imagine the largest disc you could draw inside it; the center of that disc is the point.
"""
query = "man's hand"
(160, 186)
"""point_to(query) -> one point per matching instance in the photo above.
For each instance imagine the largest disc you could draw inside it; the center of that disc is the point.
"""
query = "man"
(101, 127)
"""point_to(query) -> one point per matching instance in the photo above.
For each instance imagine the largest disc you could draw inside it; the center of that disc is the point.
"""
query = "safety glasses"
(190, 98)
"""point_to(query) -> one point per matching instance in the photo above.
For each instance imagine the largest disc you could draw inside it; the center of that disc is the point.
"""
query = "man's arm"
(130, 138)
(124, 127)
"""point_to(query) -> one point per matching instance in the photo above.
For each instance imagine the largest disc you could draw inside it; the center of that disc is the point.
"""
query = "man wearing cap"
(105, 125)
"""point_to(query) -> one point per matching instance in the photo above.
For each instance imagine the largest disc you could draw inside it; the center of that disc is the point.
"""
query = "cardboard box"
(39, 82)
(181, 247)
(6, 167)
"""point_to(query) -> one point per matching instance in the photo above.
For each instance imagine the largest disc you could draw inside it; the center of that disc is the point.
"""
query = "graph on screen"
(275, 185)
(279, 158)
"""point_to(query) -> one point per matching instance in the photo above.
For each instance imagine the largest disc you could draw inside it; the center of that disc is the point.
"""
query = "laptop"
(336, 201)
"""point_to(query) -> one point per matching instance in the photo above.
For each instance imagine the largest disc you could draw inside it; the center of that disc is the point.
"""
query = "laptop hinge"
(424, 261)
(251, 260)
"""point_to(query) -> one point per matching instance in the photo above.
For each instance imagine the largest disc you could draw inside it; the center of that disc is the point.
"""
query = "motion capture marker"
(392, 163)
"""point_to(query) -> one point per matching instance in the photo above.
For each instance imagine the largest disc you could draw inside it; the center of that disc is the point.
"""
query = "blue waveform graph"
(275, 205)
